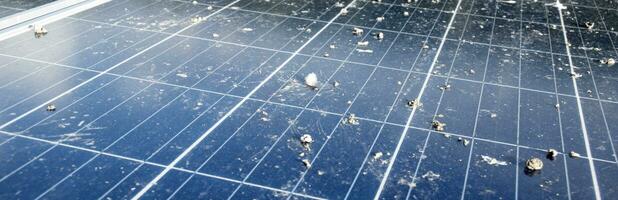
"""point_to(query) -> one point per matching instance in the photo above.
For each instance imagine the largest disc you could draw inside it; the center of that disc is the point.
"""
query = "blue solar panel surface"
(158, 99)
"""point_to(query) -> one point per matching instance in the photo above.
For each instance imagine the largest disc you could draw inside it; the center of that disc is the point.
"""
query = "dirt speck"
(534, 164)
(307, 163)
(311, 80)
(437, 125)
(51, 107)
(39, 31)
(306, 140)
(357, 31)
(431, 176)
(551, 154)
(609, 61)
(493, 161)
(464, 141)
(352, 120)
(377, 155)
(414, 103)
(574, 154)
(589, 25)
(380, 36)
(362, 43)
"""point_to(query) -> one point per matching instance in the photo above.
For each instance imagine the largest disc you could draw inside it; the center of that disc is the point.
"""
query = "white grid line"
(563, 148)
(595, 183)
(418, 98)
(521, 38)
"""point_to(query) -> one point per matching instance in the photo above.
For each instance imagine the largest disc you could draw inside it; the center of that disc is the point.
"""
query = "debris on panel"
(311, 80)
(301, 154)
(425, 46)
(445, 87)
(336, 83)
(352, 120)
(209, 8)
(326, 55)
(182, 75)
(51, 107)
(194, 2)
(357, 31)
(557, 4)
(379, 36)
(264, 115)
(197, 19)
(377, 155)
(575, 74)
(534, 164)
(464, 141)
(364, 50)
(589, 25)
(493, 161)
(551, 154)
(414, 103)
(609, 61)
(406, 13)
(344, 11)
(493, 115)
(332, 46)
(307, 163)
(39, 31)
(431, 176)
(380, 19)
(437, 125)
(306, 141)
(574, 154)
(247, 30)
(339, 5)
(557, 106)
(403, 181)
(508, 1)
(362, 43)
(320, 172)
(214, 35)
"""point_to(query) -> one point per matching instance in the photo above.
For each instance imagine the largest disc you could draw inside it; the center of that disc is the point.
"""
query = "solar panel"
(292, 99)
